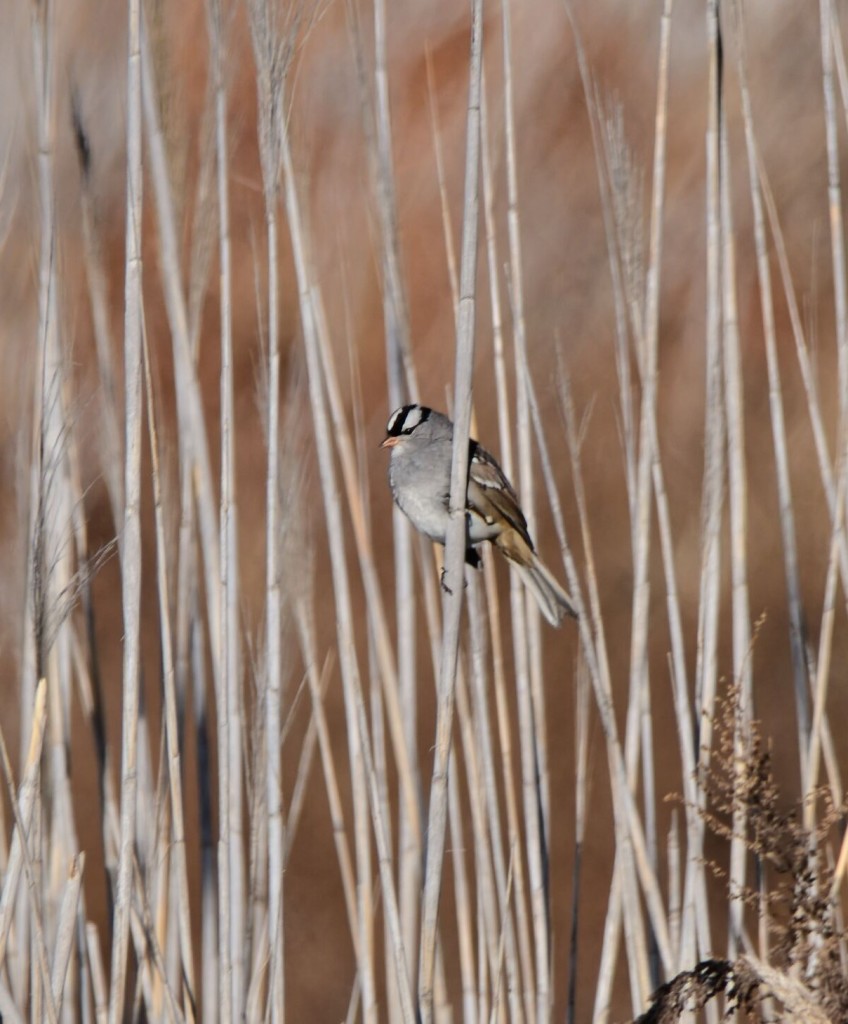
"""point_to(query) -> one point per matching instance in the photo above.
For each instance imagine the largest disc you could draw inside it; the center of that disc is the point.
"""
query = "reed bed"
(418, 717)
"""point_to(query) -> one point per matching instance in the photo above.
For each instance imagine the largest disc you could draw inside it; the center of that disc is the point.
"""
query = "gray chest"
(421, 488)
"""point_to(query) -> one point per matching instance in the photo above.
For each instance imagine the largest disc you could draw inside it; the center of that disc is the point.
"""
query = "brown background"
(569, 309)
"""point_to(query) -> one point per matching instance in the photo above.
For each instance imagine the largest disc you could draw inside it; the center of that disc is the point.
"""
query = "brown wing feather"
(490, 493)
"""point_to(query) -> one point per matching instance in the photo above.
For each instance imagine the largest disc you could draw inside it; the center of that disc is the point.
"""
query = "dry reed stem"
(737, 505)
(505, 435)
(532, 731)
(475, 994)
(131, 530)
(176, 842)
(695, 937)
(270, 72)
(22, 808)
(787, 518)
(364, 783)
(463, 897)
(377, 616)
(623, 886)
(401, 688)
(508, 836)
(455, 542)
(65, 929)
(808, 374)
(232, 914)
(348, 878)
(582, 695)
(444, 205)
(834, 190)
(195, 463)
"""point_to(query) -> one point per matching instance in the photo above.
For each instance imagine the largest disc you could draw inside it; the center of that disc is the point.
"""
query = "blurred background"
(570, 309)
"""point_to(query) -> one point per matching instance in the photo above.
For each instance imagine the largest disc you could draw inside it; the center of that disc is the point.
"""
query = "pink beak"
(390, 442)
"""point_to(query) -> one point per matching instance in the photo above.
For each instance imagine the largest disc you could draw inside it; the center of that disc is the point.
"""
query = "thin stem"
(131, 562)
(455, 545)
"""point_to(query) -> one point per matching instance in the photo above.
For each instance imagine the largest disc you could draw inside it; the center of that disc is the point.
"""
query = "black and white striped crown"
(406, 419)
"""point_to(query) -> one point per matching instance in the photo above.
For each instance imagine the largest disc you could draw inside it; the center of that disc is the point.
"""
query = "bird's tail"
(554, 603)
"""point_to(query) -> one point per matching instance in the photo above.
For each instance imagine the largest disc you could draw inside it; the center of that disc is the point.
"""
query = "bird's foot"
(444, 585)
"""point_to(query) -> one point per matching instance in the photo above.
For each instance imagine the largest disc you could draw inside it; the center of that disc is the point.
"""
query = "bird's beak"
(390, 442)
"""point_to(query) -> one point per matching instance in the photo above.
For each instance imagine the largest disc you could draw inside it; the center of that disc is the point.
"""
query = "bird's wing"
(490, 493)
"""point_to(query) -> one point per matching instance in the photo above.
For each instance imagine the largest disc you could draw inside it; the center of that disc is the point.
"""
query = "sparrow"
(420, 441)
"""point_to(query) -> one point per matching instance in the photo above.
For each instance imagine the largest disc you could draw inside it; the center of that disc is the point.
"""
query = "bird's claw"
(444, 585)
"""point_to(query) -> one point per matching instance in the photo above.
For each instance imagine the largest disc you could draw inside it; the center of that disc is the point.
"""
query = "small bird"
(421, 443)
